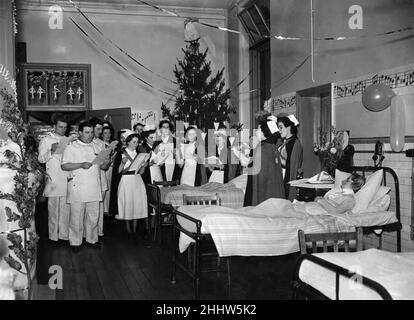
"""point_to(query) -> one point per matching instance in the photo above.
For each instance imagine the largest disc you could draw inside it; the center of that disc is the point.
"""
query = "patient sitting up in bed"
(343, 200)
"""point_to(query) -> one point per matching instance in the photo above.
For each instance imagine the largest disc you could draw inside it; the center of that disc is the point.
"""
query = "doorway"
(314, 114)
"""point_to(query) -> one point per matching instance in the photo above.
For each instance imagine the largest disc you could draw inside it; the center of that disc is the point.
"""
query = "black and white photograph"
(204, 156)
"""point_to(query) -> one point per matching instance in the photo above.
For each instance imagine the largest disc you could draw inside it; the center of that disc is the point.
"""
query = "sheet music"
(160, 157)
(140, 159)
(63, 143)
(213, 160)
(102, 157)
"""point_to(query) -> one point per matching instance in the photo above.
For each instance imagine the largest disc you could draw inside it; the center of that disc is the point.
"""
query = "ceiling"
(220, 4)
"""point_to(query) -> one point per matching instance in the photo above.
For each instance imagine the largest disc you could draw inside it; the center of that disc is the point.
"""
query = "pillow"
(379, 205)
(339, 177)
(240, 182)
(382, 191)
(364, 196)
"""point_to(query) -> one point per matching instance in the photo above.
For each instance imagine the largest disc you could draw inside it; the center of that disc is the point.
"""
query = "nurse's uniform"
(132, 195)
(190, 164)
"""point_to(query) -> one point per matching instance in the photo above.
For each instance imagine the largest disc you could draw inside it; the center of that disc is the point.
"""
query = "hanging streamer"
(118, 47)
(119, 64)
(345, 37)
(280, 37)
(159, 8)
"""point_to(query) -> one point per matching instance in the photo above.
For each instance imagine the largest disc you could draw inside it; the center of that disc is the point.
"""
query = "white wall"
(153, 38)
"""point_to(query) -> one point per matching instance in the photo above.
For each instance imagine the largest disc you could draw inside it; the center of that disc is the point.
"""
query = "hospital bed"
(365, 275)
(257, 231)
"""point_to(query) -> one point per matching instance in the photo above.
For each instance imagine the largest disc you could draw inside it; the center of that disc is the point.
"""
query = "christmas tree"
(203, 99)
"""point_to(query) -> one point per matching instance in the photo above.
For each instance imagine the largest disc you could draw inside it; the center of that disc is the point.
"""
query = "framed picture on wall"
(55, 87)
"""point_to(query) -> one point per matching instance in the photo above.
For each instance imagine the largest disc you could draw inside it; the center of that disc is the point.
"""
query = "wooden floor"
(128, 267)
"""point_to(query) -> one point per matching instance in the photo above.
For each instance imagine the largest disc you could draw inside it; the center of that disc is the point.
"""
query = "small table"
(309, 191)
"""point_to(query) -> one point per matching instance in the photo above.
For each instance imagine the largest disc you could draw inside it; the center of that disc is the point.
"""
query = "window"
(256, 21)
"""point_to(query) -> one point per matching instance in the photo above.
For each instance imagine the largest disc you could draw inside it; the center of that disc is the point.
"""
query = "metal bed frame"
(303, 290)
(392, 227)
(193, 269)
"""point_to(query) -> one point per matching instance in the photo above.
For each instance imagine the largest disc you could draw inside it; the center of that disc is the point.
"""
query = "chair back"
(334, 240)
(154, 196)
(202, 200)
(172, 183)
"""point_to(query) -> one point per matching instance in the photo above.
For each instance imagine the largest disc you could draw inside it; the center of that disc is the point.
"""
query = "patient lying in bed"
(338, 201)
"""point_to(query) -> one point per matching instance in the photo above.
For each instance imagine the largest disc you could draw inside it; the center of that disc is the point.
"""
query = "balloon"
(377, 97)
(397, 128)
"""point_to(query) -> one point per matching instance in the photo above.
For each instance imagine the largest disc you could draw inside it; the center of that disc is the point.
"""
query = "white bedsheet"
(394, 271)
(270, 228)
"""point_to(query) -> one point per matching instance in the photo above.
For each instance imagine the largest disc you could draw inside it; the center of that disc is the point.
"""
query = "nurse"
(152, 171)
(291, 152)
(167, 145)
(191, 159)
(56, 181)
(84, 188)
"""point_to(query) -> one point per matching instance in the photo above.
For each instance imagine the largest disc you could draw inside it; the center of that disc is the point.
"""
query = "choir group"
(90, 174)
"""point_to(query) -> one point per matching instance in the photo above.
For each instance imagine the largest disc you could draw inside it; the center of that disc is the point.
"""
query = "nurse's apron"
(155, 170)
(170, 161)
(190, 165)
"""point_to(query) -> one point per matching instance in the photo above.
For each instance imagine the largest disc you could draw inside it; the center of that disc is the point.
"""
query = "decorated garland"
(28, 182)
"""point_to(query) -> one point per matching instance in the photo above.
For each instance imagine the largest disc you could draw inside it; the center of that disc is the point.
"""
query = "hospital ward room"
(227, 151)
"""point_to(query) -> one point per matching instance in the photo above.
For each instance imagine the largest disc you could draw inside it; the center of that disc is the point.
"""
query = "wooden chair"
(335, 240)
(202, 200)
(209, 249)
(161, 211)
(330, 241)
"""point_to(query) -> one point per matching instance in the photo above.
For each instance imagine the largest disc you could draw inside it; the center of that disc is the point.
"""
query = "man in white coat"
(84, 188)
(100, 145)
(50, 153)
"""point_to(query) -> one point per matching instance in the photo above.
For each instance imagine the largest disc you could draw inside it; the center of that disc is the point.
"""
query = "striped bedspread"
(230, 195)
(270, 228)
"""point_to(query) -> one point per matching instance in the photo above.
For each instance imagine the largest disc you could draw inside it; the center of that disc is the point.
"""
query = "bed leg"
(399, 241)
(196, 270)
(174, 248)
(380, 241)
(228, 278)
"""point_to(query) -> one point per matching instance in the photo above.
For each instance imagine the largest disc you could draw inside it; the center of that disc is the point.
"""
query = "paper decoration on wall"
(280, 103)
(144, 117)
(394, 80)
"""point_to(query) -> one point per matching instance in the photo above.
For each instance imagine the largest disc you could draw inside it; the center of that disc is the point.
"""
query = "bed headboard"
(387, 172)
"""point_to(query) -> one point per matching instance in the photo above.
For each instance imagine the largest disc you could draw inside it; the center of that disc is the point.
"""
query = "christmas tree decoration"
(202, 98)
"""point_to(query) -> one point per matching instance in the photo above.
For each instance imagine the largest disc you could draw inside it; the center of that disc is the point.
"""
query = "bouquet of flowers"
(329, 152)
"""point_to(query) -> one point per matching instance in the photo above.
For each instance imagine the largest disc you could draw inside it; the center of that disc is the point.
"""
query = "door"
(120, 118)
(314, 115)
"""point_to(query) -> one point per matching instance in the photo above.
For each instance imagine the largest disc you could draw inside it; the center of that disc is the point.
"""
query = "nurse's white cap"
(293, 119)
(127, 133)
(149, 127)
